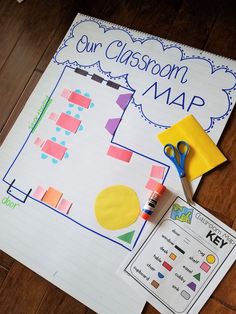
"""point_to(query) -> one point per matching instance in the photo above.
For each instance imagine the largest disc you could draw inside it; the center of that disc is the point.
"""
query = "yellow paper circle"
(117, 207)
(210, 259)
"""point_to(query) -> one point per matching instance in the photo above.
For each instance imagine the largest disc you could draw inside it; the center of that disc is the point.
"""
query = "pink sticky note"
(53, 116)
(55, 150)
(39, 193)
(64, 205)
(119, 153)
(38, 141)
(204, 266)
(79, 100)
(66, 93)
(68, 122)
(157, 172)
(151, 184)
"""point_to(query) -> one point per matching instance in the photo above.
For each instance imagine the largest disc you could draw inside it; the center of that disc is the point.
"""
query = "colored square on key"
(155, 284)
(79, 100)
(52, 197)
(204, 266)
(53, 149)
(64, 205)
(157, 172)
(119, 153)
(39, 192)
(68, 122)
(172, 256)
(167, 266)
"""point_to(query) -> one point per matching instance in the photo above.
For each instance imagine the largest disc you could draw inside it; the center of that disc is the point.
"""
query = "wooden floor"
(30, 32)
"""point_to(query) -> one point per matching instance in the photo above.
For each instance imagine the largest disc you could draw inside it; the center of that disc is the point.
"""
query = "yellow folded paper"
(203, 155)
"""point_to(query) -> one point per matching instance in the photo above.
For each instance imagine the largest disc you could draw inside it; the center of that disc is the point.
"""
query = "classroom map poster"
(184, 257)
(83, 156)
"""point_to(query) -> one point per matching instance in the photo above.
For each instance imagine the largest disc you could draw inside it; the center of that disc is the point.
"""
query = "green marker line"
(48, 103)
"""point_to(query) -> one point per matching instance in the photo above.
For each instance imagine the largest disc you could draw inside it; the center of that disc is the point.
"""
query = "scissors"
(178, 155)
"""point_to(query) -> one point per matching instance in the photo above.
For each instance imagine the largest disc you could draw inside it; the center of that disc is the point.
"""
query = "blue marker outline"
(54, 209)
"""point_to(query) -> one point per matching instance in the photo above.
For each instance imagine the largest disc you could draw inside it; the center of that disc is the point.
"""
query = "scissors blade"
(187, 190)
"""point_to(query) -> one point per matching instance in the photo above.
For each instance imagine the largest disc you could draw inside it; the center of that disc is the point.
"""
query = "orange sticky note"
(172, 256)
(203, 156)
(52, 197)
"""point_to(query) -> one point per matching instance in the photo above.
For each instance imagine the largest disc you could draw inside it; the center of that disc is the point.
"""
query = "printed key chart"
(179, 267)
(180, 257)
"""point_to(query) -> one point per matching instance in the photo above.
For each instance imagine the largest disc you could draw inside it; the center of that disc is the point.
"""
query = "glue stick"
(151, 204)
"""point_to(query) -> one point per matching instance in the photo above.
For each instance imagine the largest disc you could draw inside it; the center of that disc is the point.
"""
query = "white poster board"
(88, 132)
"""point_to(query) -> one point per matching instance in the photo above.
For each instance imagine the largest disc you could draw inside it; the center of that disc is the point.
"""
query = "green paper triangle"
(127, 237)
(197, 276)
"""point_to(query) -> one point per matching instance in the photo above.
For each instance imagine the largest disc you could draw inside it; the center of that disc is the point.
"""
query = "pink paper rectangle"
(38, 141)
(66, 93)
(79, 100)
(157, 172)
(39, 193)
(68, 122)
(53, 149)
(53, 116)
(119, 153)
(204, 266)
(64, 205)
(151, 184)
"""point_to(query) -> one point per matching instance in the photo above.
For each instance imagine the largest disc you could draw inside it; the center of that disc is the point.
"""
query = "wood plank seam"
(15, 104)
(2, 267)
(173, 21)
(212, 28)
(8, 272)
(42, 300)
(233, 308)
(11, 51)
(18, 107)
(45, 50)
